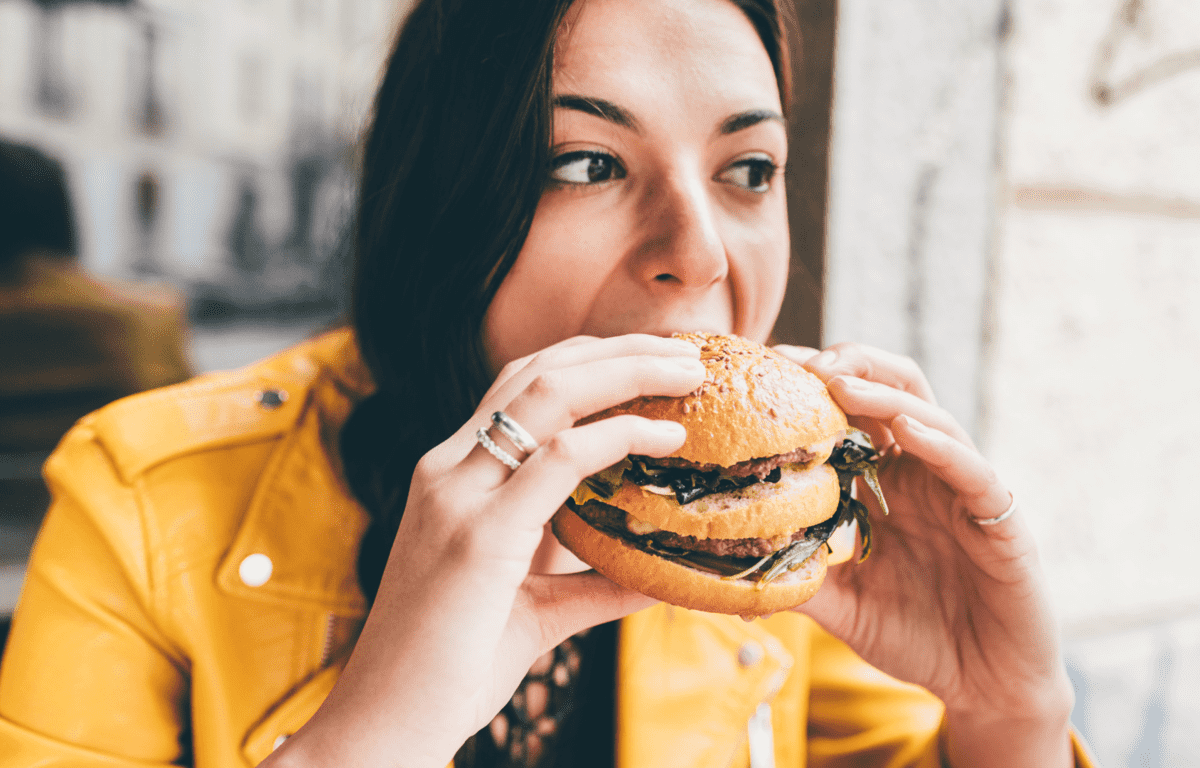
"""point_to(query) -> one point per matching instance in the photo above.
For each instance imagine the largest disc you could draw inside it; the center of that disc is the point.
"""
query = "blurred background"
(1006, 190)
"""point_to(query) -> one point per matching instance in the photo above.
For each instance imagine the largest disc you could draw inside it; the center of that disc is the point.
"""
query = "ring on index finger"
(504, 456)
(514, 431)
(517, 434)
(1000, 518)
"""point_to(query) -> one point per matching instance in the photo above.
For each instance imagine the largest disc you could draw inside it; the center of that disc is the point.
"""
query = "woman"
(547, 191)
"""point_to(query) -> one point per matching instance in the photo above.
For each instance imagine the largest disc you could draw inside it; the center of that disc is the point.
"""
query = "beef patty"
(759, 468)
(604, 516)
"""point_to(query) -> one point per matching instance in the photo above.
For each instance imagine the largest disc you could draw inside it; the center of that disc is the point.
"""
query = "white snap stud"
(749, 654)
(279, 741)
(255, 570)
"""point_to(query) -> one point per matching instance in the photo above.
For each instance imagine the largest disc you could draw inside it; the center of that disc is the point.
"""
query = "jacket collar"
(302, 515)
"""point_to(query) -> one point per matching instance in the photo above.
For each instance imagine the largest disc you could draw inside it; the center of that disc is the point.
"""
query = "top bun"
(754, 403)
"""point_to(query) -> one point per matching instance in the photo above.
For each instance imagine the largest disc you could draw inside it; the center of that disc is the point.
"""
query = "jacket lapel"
(303, 518)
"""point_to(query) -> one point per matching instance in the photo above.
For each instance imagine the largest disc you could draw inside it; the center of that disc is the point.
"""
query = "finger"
(1005, 552)
(963, 469)
(513, 367)
(849, 359)
(554, 400)
(568, 604)
(578, 350)
(550, 474)
(859, 397)
(798, 355)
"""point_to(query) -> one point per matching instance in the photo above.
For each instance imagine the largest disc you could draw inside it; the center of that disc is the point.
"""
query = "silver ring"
(514, 431)
(495, 450)
(1000, 518)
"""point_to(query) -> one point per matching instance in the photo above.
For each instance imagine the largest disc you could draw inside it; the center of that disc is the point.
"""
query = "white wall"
(1095, 400)
(1038, 198)
(1038, 251)
(912, 184)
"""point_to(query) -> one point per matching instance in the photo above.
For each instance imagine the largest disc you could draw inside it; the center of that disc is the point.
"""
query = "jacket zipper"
(761, 738)
(327, 645)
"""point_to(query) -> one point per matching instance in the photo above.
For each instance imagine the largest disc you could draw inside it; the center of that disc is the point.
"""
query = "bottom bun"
(680, 585)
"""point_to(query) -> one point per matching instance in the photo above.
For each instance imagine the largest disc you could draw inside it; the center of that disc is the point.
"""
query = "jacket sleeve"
(859, 716)
(88, 678)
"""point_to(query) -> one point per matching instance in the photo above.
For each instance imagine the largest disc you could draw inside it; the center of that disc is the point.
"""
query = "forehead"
(664, 52)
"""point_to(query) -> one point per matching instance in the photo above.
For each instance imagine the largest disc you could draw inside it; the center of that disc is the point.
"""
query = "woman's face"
(665, 208)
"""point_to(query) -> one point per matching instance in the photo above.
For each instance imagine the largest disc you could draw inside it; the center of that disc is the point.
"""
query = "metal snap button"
(255, 570)
(749, 654)
(271, 398)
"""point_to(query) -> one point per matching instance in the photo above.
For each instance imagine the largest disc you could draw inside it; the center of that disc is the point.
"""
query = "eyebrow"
(607, 110)
(743, 120)
(601, 108)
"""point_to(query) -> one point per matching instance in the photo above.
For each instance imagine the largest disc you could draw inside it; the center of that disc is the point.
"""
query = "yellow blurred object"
(73, 343)
(193, 597)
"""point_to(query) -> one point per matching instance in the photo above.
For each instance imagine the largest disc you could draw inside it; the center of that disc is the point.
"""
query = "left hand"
(942, 602)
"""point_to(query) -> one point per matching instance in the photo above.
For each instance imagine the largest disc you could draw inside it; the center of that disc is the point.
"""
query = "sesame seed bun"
(754, 402)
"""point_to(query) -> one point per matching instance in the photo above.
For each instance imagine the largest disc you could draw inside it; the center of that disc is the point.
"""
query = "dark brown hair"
(453, 168)
(36, 214)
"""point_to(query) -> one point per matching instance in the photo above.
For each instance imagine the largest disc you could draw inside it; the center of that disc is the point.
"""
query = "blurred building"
(211, 143)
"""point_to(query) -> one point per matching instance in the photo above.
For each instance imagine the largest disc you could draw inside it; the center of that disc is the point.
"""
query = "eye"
(585, 167)
(754, 173)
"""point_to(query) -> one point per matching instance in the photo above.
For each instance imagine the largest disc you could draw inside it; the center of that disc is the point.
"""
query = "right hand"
(459, 619)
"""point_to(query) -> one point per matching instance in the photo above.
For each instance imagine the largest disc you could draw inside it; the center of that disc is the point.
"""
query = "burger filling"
(690, 481)
(611, 519)
(752, 559)
(755, 559)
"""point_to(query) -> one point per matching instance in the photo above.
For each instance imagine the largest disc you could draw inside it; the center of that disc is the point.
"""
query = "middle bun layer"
(803, 497)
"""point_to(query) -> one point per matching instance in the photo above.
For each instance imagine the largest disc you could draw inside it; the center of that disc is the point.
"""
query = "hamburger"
(740, 519)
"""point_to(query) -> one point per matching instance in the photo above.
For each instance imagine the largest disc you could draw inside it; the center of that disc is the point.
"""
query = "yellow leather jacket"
(192, 597)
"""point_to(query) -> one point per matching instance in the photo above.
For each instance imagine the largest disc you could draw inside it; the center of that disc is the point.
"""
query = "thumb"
(834, 607)
(567, 604)
(798, 355)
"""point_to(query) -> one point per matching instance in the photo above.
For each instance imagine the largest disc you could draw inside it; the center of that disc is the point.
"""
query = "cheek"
(760, 268)
(555, 280)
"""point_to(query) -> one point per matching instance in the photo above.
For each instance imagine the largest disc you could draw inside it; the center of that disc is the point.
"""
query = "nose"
(682, 246)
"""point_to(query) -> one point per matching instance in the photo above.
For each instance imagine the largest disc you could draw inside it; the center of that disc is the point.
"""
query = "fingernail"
(685, 347)
(824, 360)
(855, 383)
(796, 354)
(912, 423)
(682, 365)
(669, 428)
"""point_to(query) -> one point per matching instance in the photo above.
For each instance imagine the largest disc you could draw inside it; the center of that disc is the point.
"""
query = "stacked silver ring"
(1000, 518)
(514, 432)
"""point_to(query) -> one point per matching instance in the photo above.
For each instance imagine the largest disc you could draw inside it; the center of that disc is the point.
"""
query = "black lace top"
(562, 714)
